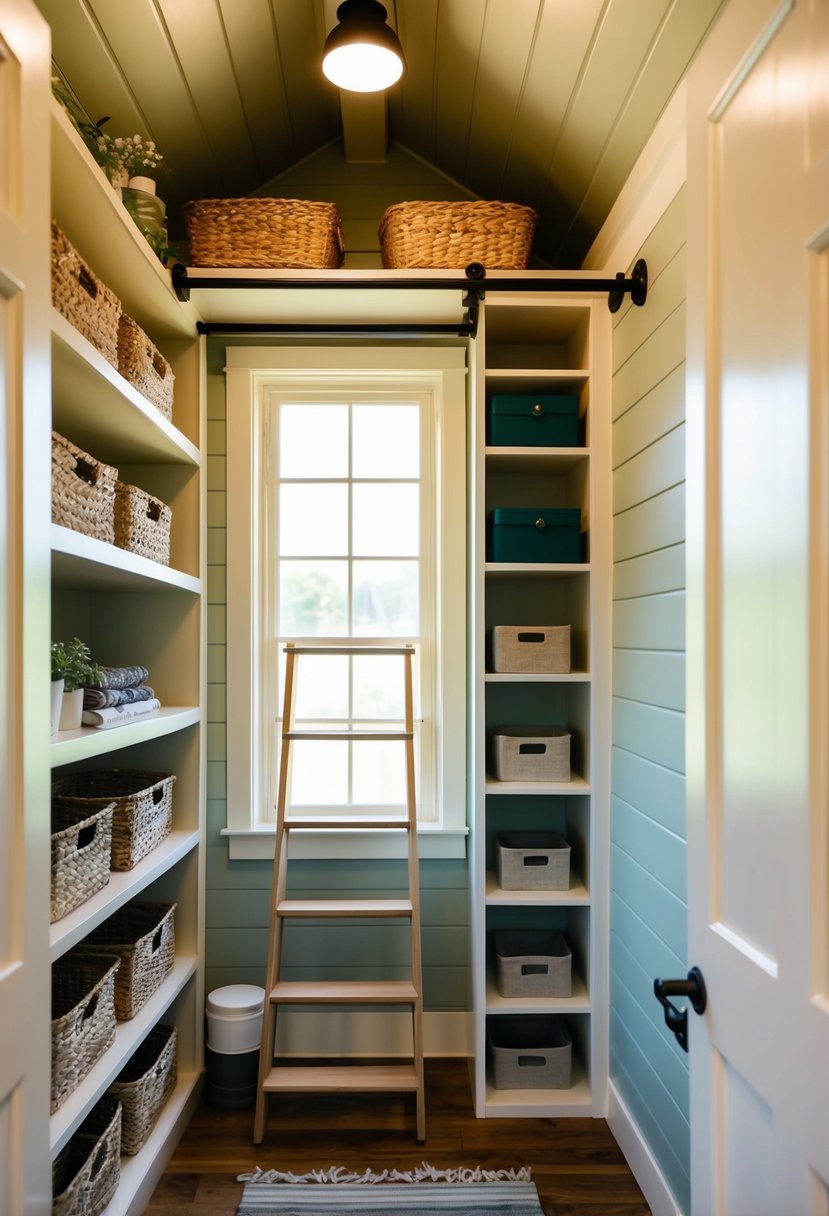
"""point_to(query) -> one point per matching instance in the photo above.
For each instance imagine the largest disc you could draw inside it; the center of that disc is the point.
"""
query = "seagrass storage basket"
(142, 936)
(142, 523)
(86, 1173)
(430, 235)
(531, 649)
(81, 845)
(142, 808)
(83, 491)
(83, 1018)
(144, 366)
(144, 1085)
(82, 298)
(275, 233)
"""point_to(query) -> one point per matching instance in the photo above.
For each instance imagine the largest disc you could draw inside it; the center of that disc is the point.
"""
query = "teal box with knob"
(535, 534)
(523, 420)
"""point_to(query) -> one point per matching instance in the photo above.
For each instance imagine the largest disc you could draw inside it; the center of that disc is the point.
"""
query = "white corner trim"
(643, 1164)
(654, 180)
(363, 1033)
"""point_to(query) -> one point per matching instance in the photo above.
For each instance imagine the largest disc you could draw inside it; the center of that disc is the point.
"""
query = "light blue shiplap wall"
(648, 902)
(237, 892)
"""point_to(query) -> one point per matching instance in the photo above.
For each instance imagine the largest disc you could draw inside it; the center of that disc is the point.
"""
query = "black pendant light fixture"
(362, 54)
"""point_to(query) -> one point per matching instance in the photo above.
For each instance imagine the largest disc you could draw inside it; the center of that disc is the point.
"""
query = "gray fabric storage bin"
(531, 753)
(531, 649)
(530, 1052)
(533, 962)
(527, 861)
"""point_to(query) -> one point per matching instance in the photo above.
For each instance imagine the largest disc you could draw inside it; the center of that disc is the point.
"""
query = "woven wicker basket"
(451, 235)
(83, 1018)
(86, 1173)
(144, 1085)
(142, 808)
(142, 523)
(276, 233)
(144, 367)
(81, 845)
(142, 936)
(83, 491)
(83, 299)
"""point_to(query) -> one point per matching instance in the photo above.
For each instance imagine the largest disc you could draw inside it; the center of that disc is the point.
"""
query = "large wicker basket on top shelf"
(269, 233)
(430, 236)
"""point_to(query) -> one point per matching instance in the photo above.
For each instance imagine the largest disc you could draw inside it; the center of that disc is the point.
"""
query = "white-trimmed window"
(346, 517)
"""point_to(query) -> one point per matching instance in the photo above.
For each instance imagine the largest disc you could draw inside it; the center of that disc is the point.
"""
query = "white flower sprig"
(135, 154)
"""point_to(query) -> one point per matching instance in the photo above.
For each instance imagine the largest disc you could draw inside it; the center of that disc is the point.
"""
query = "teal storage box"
(549, 420)
(535, 534)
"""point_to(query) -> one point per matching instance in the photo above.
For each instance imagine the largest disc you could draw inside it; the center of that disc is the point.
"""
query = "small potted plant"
(72, 664)
(138, 157)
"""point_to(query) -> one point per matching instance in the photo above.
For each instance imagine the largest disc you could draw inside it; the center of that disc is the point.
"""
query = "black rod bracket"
(693, 988)
(637, 285)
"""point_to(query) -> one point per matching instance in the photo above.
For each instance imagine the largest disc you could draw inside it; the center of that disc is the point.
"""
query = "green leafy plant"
(72, 663)
(98, 141)
(155, 237)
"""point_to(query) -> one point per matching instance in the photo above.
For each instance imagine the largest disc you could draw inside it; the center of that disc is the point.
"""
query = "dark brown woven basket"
(86, 1173)
(144, 367)
(83, 1018)
(275, 233)
(430, 236)
(142, 807)
(82, 298)
(142, 936)
(81, 846)
(83, 491)
(144, 1085)
(142, 523)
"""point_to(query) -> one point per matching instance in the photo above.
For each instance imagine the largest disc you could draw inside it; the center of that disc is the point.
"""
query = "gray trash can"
(234, 1028)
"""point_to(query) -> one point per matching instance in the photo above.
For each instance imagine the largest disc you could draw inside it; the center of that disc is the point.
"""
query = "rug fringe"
(422, 1173)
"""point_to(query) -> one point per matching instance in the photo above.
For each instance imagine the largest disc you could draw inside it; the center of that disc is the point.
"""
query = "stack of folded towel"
(120, 696)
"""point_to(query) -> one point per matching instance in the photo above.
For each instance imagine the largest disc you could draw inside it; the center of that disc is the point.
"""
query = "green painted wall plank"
(666, 292)
(657, 356)
(654, 848)
(656, 413)
(631, 994)
(649, 899)
(658, 792)
(666, 237)
(651, 525)
(654, 622)
(651, 471)
(650, 573)
(655, 676)
(649, 731)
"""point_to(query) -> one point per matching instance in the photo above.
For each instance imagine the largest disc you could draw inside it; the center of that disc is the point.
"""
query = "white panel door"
(758, 727)
(25, 411)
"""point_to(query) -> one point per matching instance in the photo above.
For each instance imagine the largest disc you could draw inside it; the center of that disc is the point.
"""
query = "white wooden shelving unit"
(134, 611)
(536, 343)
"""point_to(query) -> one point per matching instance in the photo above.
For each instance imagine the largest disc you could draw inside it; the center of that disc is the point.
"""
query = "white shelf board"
(91, 214)
(534, 460)
(122, 886)
(576, 785)
(89, 741)
(579, 1002)
(100, 411)
(541, 1103)
(534, 375)
(537, 677)
(128, 1036)
(87, 563)
(535, 569)
(496, 896)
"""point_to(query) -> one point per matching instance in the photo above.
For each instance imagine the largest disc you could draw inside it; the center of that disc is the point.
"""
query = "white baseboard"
(639, 1157)
(367, 1033)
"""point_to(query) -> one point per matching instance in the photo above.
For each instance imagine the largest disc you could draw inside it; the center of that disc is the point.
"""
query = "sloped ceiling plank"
(460, 28)
(412, 106)
(681, 34)
(562, 40)
(509, 33)
(313, 109)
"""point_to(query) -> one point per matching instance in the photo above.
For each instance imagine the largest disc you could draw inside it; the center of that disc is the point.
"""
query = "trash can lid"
(236, 999)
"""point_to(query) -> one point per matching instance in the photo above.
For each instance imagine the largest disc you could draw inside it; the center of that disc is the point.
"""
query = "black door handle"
(693, 987)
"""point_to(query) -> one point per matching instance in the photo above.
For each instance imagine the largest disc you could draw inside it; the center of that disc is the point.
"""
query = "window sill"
(257, 844)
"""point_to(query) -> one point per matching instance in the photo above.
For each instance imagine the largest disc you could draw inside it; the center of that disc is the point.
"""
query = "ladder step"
(343, 992)
(372, 736)
(342, 1078)
(366, 648)
(344, 907)
(326, 823)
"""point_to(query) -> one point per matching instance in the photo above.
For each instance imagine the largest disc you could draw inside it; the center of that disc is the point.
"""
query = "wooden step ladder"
(275, 1077)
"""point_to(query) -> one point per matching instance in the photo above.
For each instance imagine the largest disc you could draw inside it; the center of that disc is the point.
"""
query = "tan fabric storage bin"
(81, 846)
(531, 649)
(275, 233)
(433, 235)
(532, 962)
(144, 366)
(142, 936)
(532, 861)
(86, 1173)
(83, 1018)
(83, 491)
(530, 1052)
(142, 807)
(144, 1085)
(531, 753)
(80, 296)
(142, 523)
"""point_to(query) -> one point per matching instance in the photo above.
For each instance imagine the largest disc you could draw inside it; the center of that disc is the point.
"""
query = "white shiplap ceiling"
(543, 102)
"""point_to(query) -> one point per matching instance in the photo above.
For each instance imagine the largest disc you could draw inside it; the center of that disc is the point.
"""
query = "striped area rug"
(492, 1193)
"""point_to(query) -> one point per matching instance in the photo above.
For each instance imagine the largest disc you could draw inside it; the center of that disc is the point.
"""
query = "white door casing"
(758, 609)
(25, 413)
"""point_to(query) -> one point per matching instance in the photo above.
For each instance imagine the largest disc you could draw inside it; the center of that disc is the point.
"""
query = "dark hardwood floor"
(576, 1164)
